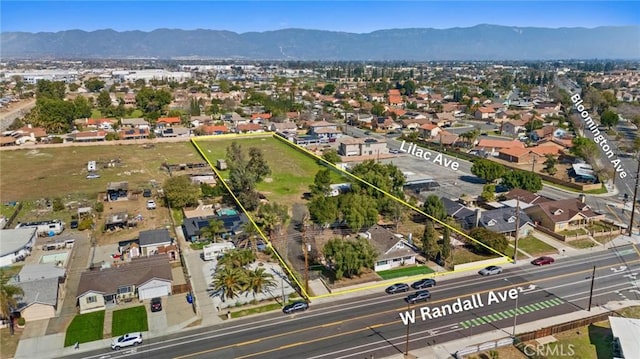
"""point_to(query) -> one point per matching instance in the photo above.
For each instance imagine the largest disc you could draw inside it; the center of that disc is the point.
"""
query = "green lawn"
(255, 310)
(404, 272)
(582, 243)
(85, 328)
(129, 320)
(593, 341)
(96, 113)
(463, 255)
(291, 171)
(534, 246)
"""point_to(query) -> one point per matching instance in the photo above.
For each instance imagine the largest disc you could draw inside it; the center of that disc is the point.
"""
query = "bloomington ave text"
(475, 302)
(597, 137)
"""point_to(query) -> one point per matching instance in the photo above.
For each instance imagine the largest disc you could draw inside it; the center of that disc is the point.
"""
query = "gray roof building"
(44, 291)
(154, 237)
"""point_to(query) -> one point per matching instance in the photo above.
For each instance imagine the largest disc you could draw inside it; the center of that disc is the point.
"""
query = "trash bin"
(189, 298)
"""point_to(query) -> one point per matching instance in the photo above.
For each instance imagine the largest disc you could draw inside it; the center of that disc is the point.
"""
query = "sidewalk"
(446, 350)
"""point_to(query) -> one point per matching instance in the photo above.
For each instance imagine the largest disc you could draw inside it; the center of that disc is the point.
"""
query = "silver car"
(490, 270)
(126, 340)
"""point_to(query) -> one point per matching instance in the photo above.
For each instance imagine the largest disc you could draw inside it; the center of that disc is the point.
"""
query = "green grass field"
(85, 328)
(291, 171)
(34, 173)
(404, 272)
(129, 320)
(534, 246)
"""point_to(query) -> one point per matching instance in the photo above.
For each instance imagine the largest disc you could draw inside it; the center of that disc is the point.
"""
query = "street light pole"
(515, 251)
(635, 195)
(515, 316)
(593, 279)
(406, 344)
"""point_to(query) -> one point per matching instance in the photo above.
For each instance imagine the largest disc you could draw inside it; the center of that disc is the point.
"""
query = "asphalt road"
(371, 324)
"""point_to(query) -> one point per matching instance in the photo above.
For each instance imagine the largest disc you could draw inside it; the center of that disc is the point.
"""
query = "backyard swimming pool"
(226, 212)
(59, 259)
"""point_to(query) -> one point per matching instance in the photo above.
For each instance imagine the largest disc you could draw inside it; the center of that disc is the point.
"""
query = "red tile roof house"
(89, 136)
(395, 98)
(261, 116)
(168, 121)
(214, 130)
(492, 147)
(142, 278)
(249, 128)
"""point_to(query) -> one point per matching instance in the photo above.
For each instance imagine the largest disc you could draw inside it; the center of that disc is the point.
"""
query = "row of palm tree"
(232, 277)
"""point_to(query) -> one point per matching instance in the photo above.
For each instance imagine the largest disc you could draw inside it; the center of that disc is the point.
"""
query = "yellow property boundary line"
(506, 258)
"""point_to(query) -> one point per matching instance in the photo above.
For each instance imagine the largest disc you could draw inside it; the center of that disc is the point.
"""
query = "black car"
(397, 288)
(295, 307)
(74, 224)
(146, 193)
(156, 304)
(419, 296)
(424, 283)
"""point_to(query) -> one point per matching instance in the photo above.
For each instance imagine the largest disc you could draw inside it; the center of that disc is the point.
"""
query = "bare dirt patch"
(144, 219)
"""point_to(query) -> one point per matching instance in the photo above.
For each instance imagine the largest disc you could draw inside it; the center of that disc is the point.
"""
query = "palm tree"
(7, 296)
(212, 230)
(237, 258)
(258, 280)
(229, 281)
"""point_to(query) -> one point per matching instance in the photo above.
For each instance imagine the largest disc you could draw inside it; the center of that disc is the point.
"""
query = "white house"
(16, 244)
(393, 250)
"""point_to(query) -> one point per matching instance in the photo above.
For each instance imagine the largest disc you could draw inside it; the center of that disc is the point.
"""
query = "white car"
(126, 340)
(490, 270)
(151, 204)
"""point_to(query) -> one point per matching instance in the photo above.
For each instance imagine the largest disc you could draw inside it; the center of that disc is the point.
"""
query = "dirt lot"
(135, 207)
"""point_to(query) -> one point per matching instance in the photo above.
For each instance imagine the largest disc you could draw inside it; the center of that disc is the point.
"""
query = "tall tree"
(258, 280)
(430, 240)
(257, 165)
(434, 207)
(229, 281)
(525, 180)
(487, 170)
(8, 293)
(490, 238)
(271, 216)
(321, 183)
(181, 192)
(609, 118)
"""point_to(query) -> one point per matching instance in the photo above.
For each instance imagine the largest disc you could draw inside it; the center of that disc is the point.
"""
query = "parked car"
(151, 204)
(73, 224)
(424, 283)
(395, 152)
(93, 176)
(146, 193)
(540, 261)
(397, 288)
(295, 307)
(126, 340)
(419, 296)
(156, 304)
(490, 270)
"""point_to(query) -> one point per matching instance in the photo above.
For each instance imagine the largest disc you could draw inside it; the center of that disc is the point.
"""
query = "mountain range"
(481, 42)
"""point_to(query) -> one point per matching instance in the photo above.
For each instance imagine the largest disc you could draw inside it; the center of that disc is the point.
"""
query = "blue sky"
(351, 16)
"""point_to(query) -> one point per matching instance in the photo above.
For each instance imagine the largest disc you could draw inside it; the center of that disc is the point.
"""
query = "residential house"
(133, 134)
(503, 220)
(324, 129)
(168, 121)
(457, 211)
(232, 225)
(393, 250)
(16, 244)
(139, 123)
(115, 221)
(129, 100)
(41, 284)
(485, 113)
(394, 97)
(89, 136)
(514, 128)
(385, 123)
(429, 130)
(249, 128)
(445, 138)
(565, 214)
(415, 123)
(214, 129)
(142, 278)
(492, 147)
(260, 117)
(197, 121)
(29, 134)
(175, 131)
(523, 198)
(443, 119)
(151, 240)
(283, 127)
(362, 147)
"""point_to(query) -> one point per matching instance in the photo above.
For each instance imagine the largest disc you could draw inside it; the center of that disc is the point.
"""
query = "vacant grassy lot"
(9, 343)
(404, 272)
(85, 328)
(40, 172)
(582, 243)
(291, 171)
(129, 320)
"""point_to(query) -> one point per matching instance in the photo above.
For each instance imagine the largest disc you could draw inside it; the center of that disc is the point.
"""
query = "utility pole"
(635, 196)
(593, 279)
(406, 344)
(305, 250)
(515, 251)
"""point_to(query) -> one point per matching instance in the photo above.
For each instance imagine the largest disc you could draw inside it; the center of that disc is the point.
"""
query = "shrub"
(85, 224)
